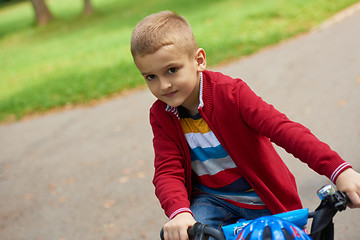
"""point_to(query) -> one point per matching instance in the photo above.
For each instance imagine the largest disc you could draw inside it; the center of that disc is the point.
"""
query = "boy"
(214, 160)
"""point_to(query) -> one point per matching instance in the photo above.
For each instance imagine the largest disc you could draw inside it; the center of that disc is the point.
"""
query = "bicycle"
(322, 227)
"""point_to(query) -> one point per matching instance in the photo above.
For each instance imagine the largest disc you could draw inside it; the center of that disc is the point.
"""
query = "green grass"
(76, 59)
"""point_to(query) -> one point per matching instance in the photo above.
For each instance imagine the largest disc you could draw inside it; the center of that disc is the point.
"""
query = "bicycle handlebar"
(201, 231)
(331, 202)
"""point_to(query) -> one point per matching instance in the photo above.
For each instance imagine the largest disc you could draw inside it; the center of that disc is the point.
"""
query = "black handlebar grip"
(347, 199)
(162, 234)
(191, 231)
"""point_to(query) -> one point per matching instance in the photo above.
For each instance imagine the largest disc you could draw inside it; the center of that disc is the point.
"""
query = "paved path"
(86, 173)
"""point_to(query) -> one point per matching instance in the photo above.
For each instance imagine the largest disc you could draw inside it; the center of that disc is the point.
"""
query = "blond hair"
(162, 29)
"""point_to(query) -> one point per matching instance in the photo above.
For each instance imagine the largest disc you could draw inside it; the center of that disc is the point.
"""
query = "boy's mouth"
(170, 94)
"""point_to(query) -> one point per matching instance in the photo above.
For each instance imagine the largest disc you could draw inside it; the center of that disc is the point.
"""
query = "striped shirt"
(215, 171)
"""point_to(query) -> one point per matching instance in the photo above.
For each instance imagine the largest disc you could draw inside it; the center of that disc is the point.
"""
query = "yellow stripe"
(194, 126)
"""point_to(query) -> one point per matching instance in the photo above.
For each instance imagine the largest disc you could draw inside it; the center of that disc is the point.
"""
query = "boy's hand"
(349, 182)
(176, 228)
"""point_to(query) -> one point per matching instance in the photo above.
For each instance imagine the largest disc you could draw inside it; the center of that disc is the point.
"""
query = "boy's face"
(173, 76)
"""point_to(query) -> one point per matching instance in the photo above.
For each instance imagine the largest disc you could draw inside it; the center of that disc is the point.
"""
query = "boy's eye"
(150, 77)
(172, 70)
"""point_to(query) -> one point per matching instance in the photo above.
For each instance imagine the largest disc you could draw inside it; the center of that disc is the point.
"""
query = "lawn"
(76, 59)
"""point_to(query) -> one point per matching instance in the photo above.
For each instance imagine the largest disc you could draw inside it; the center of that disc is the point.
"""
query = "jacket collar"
(172, 110)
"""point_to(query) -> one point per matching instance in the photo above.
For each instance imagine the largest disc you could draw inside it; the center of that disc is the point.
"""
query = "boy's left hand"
(349, 182)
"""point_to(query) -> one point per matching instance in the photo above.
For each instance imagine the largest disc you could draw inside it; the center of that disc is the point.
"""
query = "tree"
(43, 15)
(88, 9)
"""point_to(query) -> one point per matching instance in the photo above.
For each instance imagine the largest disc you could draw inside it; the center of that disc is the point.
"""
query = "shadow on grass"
(8, 3)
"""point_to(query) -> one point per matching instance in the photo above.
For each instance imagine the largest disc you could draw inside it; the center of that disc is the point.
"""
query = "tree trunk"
(88, 9)
(43, 15)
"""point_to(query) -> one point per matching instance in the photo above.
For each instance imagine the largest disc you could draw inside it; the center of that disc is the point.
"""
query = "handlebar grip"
(341, 200)
(162, 234)
(191, 231)
(347, 199)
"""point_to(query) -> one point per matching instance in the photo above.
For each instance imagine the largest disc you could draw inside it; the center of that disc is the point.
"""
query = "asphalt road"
(86, 173)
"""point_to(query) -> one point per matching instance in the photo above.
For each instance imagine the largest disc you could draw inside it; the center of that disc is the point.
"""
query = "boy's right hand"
(176, 228)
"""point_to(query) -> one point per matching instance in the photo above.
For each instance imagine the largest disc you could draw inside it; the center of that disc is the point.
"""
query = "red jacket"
(245, 126)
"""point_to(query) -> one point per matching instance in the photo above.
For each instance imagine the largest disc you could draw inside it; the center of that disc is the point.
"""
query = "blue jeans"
(216, 212)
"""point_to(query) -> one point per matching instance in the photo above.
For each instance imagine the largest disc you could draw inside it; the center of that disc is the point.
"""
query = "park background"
(79, 57)
(75, 144)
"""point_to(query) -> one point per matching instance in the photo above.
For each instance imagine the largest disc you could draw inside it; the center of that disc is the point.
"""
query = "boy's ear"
(201, 59)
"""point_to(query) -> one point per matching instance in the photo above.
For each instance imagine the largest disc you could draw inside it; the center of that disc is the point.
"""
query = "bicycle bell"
(326, 192)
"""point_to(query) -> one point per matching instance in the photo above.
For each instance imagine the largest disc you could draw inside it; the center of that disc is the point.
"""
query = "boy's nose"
(164, 84)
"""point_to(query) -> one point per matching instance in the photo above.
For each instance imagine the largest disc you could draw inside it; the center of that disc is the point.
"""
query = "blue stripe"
(239, 185)
(225, 193)
(204, 154)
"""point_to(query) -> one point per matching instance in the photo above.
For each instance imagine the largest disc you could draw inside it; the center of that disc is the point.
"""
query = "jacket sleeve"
(169, 177)
(293, 137)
